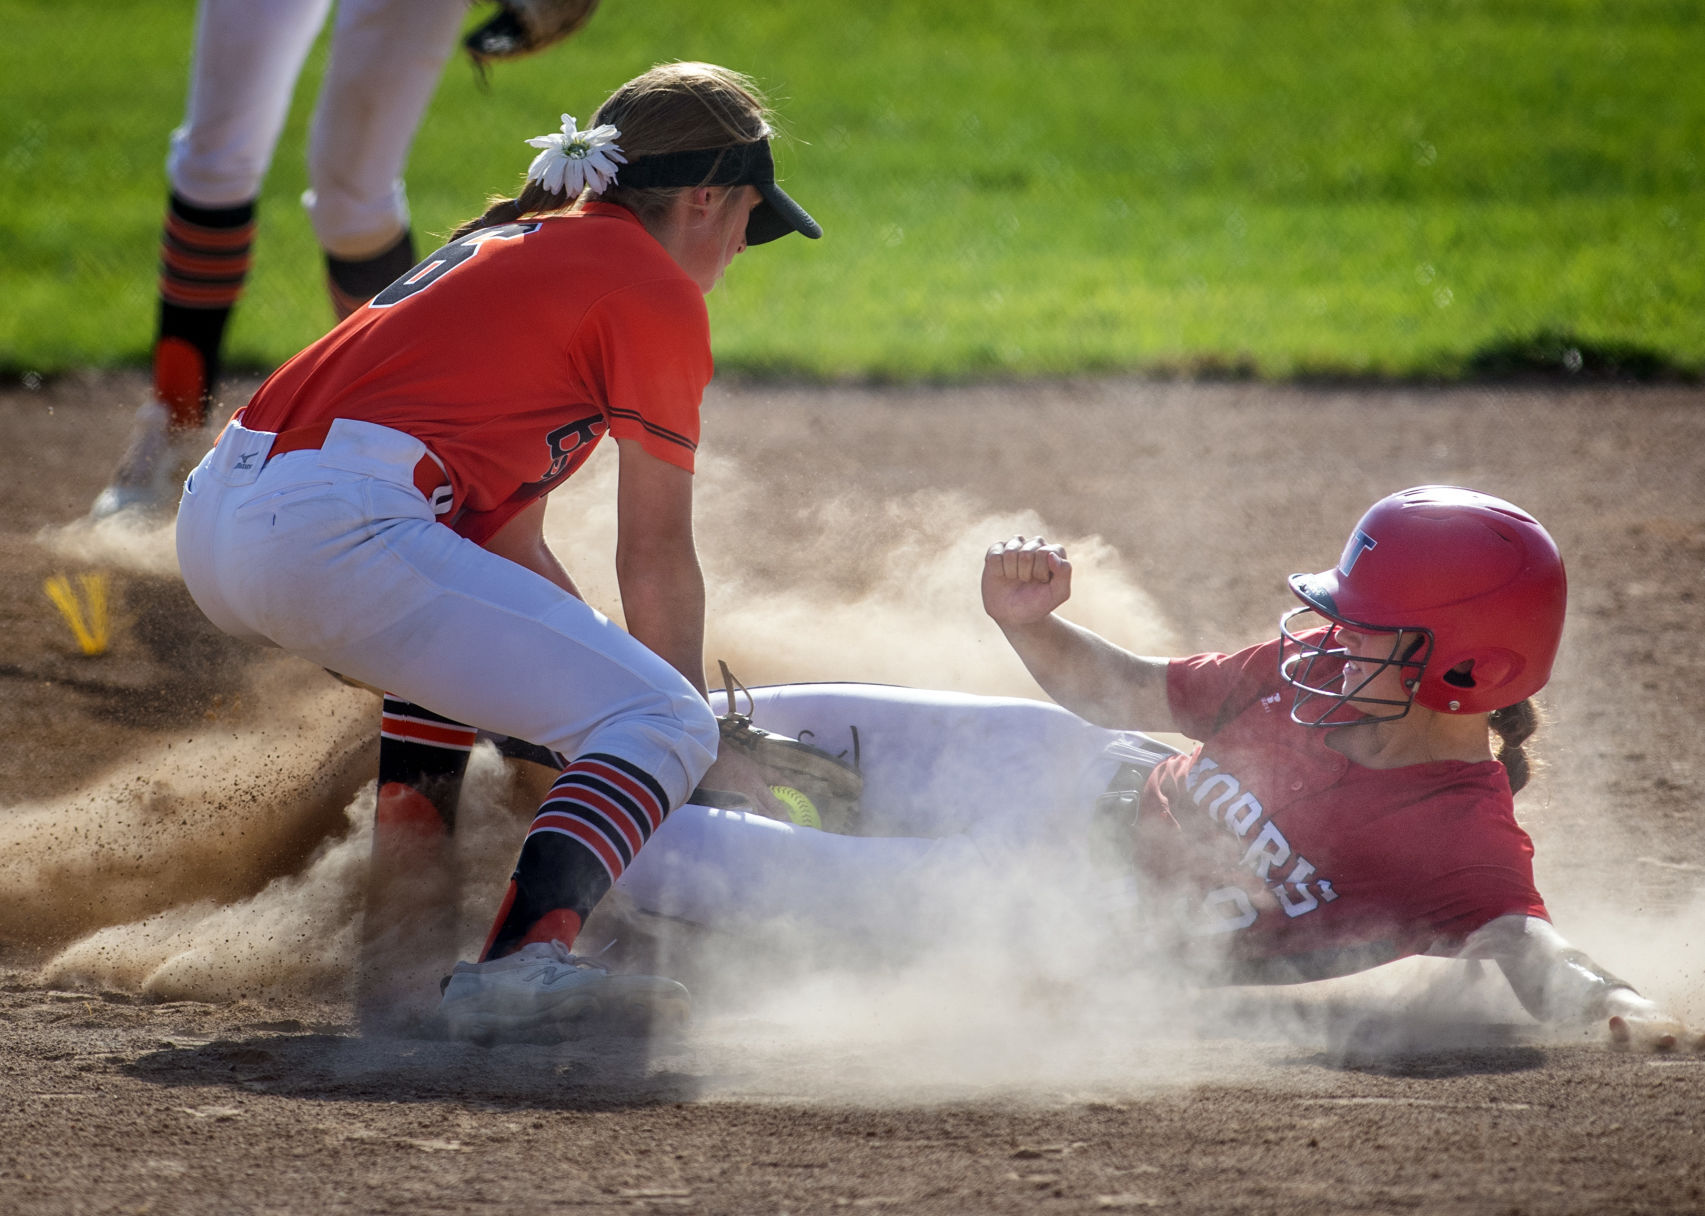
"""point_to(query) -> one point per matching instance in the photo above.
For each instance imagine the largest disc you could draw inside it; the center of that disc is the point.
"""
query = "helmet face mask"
(1476, 577)
(1313, 664)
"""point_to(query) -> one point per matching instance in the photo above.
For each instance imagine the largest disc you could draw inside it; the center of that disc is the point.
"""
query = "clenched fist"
(1024, 580)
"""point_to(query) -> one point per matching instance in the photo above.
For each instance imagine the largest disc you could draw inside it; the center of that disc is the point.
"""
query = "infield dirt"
(181, 846)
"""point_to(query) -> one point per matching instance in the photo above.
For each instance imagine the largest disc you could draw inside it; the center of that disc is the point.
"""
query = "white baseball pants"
(961, 791)
(334, 555)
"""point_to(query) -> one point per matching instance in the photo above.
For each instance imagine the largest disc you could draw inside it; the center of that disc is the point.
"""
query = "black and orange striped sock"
(423, 757)
(595, 818)
(351, 282)
(204, 262)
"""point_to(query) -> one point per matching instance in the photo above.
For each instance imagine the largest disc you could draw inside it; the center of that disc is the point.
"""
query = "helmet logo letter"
(1477, 577)
(1360, 543)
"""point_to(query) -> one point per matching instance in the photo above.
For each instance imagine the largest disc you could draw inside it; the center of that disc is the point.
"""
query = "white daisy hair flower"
(572, 160)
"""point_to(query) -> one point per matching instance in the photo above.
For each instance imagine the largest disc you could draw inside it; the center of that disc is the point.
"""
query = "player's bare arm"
(657, 565)
(1556, 982)
(522, 541)
(1024, 581)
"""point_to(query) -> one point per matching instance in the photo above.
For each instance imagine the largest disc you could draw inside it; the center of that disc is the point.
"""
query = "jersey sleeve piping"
(662, 432)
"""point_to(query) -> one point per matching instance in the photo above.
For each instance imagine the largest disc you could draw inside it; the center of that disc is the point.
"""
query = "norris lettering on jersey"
(1266, 852)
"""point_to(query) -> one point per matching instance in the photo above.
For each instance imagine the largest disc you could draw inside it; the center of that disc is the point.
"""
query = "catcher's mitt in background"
(818, 788)
(523, 27)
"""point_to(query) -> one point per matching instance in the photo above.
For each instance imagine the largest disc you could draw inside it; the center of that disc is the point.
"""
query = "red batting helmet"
(1476, 577)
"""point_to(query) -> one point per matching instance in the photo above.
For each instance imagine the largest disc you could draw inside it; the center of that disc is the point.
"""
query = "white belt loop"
(240, 453)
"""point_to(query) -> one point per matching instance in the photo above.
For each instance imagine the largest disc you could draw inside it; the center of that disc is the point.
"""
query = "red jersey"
(510, 353)
(1297, 863)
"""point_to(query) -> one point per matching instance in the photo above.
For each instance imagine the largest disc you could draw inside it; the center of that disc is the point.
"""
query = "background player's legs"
(247, 56)
(204, 264)
(385, 63)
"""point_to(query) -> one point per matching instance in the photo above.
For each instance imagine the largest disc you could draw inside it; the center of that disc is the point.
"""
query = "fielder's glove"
(818, 788)
(523, 27)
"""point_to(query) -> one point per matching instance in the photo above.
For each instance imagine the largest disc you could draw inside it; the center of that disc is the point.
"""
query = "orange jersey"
(510, 353)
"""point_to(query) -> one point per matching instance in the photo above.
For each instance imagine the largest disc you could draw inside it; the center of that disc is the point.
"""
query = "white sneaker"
(149, 478)
(543, 993)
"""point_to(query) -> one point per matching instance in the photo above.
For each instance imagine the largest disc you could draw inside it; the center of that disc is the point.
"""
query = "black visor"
(737, 165)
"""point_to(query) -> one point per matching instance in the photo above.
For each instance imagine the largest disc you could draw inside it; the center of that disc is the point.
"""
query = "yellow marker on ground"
(84, 609)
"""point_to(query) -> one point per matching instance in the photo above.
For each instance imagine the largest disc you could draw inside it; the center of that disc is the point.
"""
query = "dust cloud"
(1661, 951)
(883, 594)
(212, 817)
(235, 865)
(121, 542)
(881, 591)
(297, 935)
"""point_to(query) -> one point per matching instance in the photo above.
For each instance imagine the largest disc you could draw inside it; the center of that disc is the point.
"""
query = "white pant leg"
(247, 56)
(972, 789)
(385, 63)
(334, 555)
(740, 873)
(938, 762)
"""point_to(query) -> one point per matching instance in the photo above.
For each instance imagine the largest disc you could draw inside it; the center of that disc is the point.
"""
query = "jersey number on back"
(441, 263)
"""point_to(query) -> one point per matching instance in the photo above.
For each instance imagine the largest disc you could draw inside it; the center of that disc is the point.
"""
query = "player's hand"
(1637, 1024)
(1024, 580)
(736, 773)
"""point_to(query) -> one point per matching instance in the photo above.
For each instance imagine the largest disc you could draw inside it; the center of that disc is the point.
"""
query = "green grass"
(1274, 187)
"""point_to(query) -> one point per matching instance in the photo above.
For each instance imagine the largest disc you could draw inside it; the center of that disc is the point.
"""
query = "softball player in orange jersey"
(378, 507)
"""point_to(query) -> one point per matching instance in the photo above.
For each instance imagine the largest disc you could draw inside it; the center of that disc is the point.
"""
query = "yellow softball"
(799, 808)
